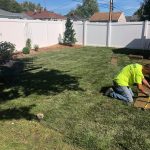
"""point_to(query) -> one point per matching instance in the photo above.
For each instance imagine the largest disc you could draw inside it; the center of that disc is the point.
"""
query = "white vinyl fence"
(43, 33)
(134, 35)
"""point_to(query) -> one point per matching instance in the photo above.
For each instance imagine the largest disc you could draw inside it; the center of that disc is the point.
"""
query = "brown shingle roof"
(44, 15)
(105, 16)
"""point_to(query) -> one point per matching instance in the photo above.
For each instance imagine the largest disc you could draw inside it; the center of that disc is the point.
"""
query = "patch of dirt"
(56, 47)
(114, 60)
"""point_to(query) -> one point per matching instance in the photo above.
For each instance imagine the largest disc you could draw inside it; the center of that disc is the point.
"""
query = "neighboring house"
(104, 17)
(133, 18)
(45, 15)
(10, 15)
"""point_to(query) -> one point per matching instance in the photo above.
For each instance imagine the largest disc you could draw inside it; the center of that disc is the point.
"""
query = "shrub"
(6, 51)
(28, 43)
(26, 50)
(36, 47)
(69, 34)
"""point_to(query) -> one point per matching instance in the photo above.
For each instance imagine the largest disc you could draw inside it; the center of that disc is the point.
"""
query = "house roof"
(44, 15)
(7, 14)
(104, 16)
(132, 18)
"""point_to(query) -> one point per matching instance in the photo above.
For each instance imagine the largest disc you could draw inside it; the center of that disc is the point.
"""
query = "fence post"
(25, 31)
(84, 32)
(108, 40)
(144, 35)
(146, 28)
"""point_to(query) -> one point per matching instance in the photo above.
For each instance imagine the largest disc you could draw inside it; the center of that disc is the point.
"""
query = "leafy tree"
(69, 34)
(10, 5)
(29, 6)
(86, 10)
(14, 6)
(144, 11)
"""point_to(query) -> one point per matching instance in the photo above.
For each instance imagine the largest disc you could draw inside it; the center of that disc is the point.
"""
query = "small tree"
(28, 43)
(69, 34)
(27, 48)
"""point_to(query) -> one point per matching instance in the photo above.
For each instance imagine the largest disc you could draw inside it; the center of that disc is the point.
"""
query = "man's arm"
(146, 83)
(141, 88)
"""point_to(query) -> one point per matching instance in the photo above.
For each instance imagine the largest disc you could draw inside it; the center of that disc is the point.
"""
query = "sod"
(64, 85)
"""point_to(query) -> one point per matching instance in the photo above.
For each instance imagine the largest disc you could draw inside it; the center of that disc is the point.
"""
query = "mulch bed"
(56, 47)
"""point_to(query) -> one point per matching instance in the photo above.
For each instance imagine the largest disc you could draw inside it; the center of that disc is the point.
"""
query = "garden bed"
(56, 47)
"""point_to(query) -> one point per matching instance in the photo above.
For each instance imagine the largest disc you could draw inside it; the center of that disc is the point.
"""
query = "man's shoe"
(129, 104)
(107, 93)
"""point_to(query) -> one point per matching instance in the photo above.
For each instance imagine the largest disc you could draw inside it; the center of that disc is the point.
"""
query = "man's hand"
(141, 88)
(147, 94)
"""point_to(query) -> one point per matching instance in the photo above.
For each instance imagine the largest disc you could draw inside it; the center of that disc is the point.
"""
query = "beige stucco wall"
(122, 18)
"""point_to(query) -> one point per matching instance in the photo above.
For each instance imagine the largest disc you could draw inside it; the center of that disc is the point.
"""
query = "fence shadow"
(144, 51)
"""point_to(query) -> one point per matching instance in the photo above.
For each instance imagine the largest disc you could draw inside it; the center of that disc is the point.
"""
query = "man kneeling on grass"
(129, 75)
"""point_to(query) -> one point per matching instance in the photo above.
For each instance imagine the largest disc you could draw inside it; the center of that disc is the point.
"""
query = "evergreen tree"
(69, 34)
(144, 11)
(86, 10)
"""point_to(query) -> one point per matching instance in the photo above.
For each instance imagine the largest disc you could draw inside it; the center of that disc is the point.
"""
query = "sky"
(64, 6)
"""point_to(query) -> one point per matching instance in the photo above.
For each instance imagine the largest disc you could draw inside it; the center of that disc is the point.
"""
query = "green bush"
(36, 47)
(6, 51)
(28, 43)
(69, 34)
(26, 50)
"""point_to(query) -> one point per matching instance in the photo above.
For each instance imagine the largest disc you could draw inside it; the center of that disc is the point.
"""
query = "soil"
(56, 47)
(114, 60)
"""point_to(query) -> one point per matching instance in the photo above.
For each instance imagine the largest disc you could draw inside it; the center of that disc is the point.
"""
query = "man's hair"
(147, 67)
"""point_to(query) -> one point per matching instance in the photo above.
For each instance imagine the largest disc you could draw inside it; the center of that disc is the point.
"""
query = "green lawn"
(64, 86)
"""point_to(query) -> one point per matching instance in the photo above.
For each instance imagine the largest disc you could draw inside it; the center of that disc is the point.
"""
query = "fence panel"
(79, 30)
(47, 33)
(128, 35)
(96, 34)
(55, 32)
(37, 32)
(43, 33)
(12, 31)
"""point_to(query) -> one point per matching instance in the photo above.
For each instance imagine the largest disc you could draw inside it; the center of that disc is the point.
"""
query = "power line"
(122, 9)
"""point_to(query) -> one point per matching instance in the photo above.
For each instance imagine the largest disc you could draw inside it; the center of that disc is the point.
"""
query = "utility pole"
(44, 4)
(112, 5)
(110, 10)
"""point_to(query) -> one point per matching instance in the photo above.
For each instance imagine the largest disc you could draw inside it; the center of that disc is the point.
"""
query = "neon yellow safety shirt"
(130, 75)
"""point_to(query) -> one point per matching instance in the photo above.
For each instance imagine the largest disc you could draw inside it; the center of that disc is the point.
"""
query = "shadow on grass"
(104, 89)
(36, 80)
(17, 113)
(126, 51)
